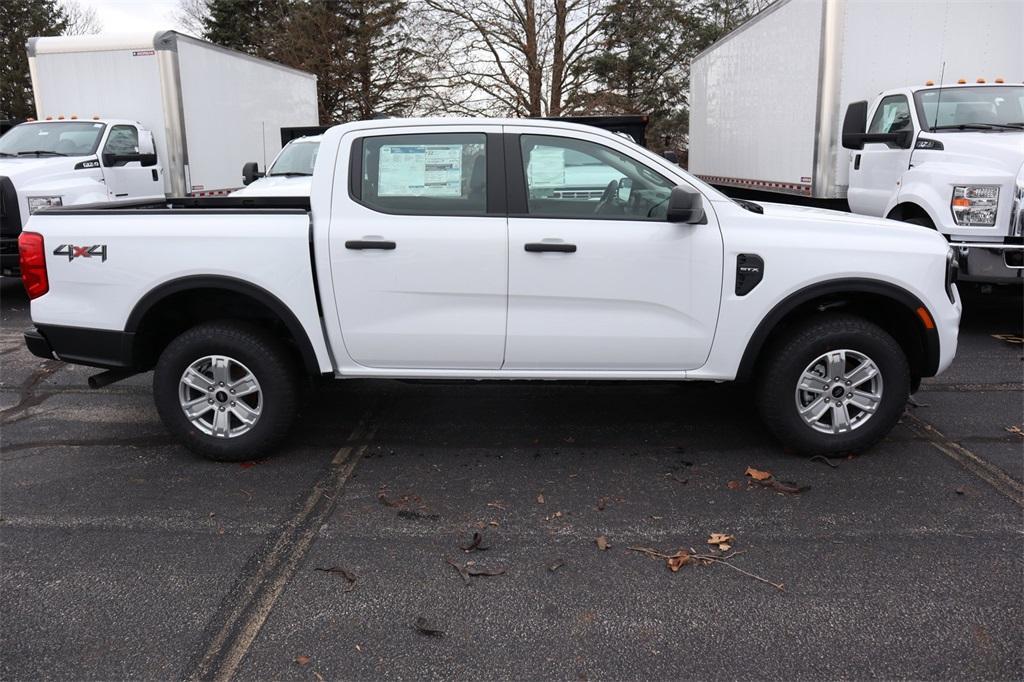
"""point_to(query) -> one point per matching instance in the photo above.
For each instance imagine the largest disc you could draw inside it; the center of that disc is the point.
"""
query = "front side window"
(122, 140)
(65, 138)
(424, 174)
(578, 179)
(892, 116)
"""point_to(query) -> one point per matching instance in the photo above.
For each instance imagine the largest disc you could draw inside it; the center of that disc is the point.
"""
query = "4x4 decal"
(73, 252)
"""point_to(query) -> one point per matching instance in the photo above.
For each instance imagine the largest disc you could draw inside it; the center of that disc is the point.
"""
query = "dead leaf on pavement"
(540, 499)
(425, 627)
(1015, 429)
(1010, 338)
(557, 565)
(677, 561)
(734, 485)
(475, 544)
(471, 569)
(602, 543)
(757, 474)
(302, 660)
(720, 539)
(344, 573)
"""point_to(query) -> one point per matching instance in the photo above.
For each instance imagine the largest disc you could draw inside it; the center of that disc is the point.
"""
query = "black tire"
(785, 361)
(264, 356)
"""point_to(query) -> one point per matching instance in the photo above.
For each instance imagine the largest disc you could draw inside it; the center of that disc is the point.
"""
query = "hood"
(840, 225)
(1001, 150)
(277, 186)
(24, 171)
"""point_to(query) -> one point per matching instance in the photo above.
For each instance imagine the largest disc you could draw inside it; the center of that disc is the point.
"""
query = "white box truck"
(139, 116)
(930, 94)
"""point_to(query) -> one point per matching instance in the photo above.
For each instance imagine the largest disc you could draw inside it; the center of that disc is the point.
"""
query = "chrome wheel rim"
(839, 391)
(220, 396)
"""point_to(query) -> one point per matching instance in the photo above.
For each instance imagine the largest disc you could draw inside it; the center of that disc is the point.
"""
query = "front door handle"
(360, 244)
(557, 247)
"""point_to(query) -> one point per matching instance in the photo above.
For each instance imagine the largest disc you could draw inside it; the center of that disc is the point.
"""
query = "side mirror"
(112, 160)
(855, 125)
(685, 206)
(250, 173)
(624, 190)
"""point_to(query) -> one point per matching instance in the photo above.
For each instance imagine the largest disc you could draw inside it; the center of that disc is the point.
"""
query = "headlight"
(975, 205)
(36, 203)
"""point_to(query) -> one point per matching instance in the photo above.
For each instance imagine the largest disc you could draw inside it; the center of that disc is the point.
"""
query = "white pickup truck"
(454, 249)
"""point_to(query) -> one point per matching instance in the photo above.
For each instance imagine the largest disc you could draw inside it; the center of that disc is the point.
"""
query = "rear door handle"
(558, 247)
(360, 244)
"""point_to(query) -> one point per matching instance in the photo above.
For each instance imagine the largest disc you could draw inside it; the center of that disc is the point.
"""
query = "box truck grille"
(10, 216)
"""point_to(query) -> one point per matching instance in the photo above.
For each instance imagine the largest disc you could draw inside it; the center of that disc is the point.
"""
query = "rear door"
(418, 247)
(598, 279)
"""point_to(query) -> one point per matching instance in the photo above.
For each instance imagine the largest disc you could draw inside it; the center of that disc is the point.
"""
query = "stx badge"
(73, 252)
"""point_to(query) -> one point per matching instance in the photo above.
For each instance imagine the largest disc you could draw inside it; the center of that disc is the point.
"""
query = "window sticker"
(546, 167)
(432, 170)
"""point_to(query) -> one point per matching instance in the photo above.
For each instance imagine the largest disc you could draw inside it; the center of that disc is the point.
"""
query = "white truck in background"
(139, 116)
(767, 102)
(290, 175)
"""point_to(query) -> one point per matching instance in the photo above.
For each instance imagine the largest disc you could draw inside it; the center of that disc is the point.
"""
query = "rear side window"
(892, 115)
(423, 174)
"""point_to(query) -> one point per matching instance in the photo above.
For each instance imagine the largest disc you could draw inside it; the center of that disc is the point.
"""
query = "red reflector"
(32, 259)
(926, 319)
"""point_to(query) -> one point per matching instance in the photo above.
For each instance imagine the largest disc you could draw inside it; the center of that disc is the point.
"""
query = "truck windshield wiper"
(40, 152)
(980, 126)
(750, 205)
(288, 174)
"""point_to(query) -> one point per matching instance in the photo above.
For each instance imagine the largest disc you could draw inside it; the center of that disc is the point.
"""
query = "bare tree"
(80, 20)
(192, 15)
(520, 57)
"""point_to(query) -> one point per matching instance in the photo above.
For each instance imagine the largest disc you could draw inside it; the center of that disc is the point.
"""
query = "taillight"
(32, 259)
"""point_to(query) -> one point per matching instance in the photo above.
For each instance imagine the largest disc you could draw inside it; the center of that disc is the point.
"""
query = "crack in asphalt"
(144, 441)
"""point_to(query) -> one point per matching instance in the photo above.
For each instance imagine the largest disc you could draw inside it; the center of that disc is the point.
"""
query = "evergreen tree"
(244, 25)
(20, 21)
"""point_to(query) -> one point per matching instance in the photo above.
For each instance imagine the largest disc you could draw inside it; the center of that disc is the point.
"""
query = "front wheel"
(226, 390)
(834, 385)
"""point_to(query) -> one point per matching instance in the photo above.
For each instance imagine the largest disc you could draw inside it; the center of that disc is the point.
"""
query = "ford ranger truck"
(454, 249)
(71, 161)
(950, 158)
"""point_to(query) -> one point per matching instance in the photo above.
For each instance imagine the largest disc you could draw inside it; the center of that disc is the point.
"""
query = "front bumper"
(990, 262)
(105, 348)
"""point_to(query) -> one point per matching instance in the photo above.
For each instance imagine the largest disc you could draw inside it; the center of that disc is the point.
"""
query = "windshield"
(296, 159)
(66, 138)
(982, 108)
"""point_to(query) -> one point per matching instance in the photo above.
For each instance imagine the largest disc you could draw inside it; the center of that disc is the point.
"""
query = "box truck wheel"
(226, 390)
(835, 384)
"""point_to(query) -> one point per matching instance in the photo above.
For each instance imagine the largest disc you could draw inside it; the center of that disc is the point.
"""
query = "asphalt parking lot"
(124, 556)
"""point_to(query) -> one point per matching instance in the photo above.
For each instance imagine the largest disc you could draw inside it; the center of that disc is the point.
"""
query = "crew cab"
(451, 249)
(71, 161)
(950, 158)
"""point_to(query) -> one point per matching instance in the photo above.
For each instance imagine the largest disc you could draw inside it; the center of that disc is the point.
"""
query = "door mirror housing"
(250, 173)
(855, 127)
(685, 205)
(112, 160)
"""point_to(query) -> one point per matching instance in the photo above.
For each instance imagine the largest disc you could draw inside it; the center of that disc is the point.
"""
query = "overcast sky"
(129, 16)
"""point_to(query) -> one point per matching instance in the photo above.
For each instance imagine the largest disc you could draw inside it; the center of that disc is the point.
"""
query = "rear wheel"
(226, 390)
(835, 384)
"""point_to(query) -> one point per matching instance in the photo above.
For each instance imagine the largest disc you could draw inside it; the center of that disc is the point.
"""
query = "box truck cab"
(63, 162)
(950, 158)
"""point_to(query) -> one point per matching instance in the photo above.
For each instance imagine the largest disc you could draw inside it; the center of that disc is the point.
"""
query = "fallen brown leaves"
(602, 543)
(683, 557)
(473, 570)
(475, 544)
(348, 575)
(768, 480)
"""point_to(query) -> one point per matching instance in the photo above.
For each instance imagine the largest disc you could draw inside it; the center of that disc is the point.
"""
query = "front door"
(419, 250)
(875, 171)
(598, 279)
(129, 164)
